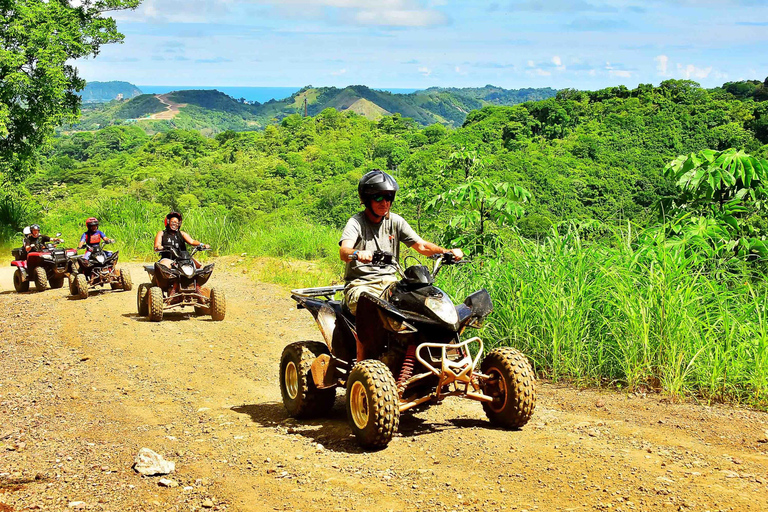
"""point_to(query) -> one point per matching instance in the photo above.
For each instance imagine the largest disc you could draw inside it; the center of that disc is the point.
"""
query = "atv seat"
(150, 268)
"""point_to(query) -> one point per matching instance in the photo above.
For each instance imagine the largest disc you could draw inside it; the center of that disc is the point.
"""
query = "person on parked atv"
(173, 237)
(92, 237)
(35, 241)
(377, 229)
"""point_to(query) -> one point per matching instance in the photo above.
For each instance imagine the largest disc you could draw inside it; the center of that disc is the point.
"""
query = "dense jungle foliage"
(621, 232)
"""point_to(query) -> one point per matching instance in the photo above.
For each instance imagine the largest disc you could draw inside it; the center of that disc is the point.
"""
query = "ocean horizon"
(260, 94)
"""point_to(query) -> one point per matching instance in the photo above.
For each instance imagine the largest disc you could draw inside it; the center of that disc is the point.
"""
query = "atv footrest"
(322, 291)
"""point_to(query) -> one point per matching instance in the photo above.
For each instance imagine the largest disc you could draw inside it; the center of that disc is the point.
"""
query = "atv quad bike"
(46, 265)
(97, 268)
(179, 286)
(401, 352)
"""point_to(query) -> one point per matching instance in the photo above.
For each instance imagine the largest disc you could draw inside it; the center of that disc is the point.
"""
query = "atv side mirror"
(58, 234)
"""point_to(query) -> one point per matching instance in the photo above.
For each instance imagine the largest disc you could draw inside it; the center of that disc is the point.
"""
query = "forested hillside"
(215, 111)
(103, 92)
(586, 155)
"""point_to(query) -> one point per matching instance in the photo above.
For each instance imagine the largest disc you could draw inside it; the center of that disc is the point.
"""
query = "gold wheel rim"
(291, 380)
(498, 406)
(358, 404)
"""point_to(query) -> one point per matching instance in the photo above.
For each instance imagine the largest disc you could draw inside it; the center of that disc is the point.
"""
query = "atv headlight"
(100, 258)
(188, 270)
(47, 256)
(443, 308)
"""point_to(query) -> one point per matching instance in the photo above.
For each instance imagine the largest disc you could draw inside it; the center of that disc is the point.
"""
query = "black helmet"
(375, 182)
(172, 215)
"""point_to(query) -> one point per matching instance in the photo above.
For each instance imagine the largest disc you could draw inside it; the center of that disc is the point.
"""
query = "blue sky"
(582, 44)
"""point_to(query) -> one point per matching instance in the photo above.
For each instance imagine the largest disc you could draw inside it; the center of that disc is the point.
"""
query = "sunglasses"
(384, 197)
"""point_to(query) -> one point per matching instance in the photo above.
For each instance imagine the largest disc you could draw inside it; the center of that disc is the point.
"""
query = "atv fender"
(22, 266)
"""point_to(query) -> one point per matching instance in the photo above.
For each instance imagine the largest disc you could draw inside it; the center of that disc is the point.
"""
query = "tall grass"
(595, 313)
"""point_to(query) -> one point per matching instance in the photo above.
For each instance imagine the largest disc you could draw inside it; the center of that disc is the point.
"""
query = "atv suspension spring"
(407, 371)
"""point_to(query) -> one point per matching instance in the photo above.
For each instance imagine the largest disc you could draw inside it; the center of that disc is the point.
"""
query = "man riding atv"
(377, 229)
(403, 348)
(35, 241)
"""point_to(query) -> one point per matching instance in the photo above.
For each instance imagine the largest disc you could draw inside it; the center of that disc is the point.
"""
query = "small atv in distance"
(178, 286)
(47, 266)
(399, 353)
(97, 268)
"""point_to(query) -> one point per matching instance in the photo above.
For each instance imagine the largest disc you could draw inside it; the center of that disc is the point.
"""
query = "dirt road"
(86, 383)
(171, 108)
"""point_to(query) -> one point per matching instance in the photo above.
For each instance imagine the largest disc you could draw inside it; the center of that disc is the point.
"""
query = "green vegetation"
(216, 112)
(104, 92)
(611, 259)
(38, 39)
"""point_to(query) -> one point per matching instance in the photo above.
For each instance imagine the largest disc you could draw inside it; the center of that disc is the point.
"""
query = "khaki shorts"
(375, 287)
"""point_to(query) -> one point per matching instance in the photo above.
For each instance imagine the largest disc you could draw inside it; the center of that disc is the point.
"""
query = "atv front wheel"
(56, 282)
(218, 304)
(372, 403)
(301, 397)
(19, 284)
(125, 280)
(72, 284)
(81, 283)
(41, 279)
(512, 386)
(155, 304)
(142, 299)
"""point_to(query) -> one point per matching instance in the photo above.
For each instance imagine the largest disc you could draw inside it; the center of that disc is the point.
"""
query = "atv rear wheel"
(56, 282)
(155, 303)
(511, 384)
(81, 283)
(142, 299)
(372, 403)
(19, 284)
(40, 278)
(218, 306)
(301, 397)
(125, 280)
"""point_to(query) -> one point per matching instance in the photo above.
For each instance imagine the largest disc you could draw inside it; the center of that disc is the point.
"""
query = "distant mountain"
(103, 92)
(214, 111)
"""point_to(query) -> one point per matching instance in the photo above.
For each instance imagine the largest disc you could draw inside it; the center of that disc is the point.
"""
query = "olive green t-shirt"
(384, 236)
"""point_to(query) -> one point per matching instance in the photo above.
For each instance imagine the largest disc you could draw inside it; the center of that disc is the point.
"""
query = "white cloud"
(558, 63)
(687, 71)
(425, 71)
(662, 61)
(691, 71)
(400, 18)
(623, 73)
(339, 72)
(460, 71)
(531, 64)
(395, 13)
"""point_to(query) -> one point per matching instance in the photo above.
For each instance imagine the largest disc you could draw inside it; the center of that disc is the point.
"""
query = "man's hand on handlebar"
(362, 256)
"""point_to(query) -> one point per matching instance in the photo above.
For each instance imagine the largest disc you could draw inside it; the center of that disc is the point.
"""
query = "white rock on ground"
(149, 463)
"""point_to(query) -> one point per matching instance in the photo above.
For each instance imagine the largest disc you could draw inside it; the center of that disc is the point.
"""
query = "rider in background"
(92, 237)
(377, 229)
(35, 241)
(173, 237)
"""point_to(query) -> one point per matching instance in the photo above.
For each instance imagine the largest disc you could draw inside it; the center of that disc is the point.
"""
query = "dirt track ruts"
(86, 383)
